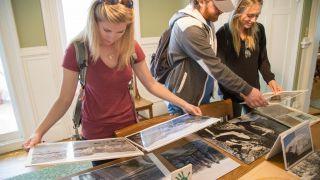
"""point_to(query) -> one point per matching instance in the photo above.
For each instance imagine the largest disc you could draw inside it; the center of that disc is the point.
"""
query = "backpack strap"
(132, 86)
(82, 61)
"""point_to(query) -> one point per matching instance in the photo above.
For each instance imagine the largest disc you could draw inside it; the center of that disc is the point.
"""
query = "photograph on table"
(170, 131)
(88, 150)
(285, 115)
(282, 96)
(274, 110)
(48, 153)
(260, 125)
(207, 162)
(240, 143)
(296, 144)
(139, 168)
(308, 168)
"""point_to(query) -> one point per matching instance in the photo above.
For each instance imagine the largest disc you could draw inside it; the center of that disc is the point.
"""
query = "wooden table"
(235, 174)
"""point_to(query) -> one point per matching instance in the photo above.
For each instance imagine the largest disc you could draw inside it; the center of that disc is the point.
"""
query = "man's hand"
(254, 99)
(274, 86)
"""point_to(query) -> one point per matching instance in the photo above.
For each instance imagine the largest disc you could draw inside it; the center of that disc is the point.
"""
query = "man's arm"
(195, 42)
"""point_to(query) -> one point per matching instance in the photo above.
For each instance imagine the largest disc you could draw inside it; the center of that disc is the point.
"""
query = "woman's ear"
(202, 5)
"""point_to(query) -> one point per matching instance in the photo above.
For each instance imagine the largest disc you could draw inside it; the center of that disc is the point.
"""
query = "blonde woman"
(107, 103)
(242, 47)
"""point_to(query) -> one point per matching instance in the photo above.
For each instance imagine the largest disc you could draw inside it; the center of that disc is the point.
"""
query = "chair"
(215, 109)
(140, 103)
(218, 109)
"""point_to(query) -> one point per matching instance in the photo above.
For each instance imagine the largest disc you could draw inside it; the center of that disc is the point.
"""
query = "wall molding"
(34, 51)
(150, 41)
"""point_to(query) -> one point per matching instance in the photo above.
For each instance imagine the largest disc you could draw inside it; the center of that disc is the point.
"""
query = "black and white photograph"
(288, 120)
(281, 96)
(167, 132)
(309, 168)
(237, 141)
(274, 110)
(207, 162)
(285, 115)
(48, 153)
(139, 168)
(260, 125)
(301, 116)
(103, 146)
(88, 150)
(296, 144)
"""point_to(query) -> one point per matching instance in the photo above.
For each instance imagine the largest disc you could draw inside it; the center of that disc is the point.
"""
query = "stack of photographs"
(89, 150)
(298, 152)
(296, 144)
(282, 96)
(297, 147)
(247, 138)
(285, 115)
(207, 163)
(139, 168)
(170, 131)
(309, 168)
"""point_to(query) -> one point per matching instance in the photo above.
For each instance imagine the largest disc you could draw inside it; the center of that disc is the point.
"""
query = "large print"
(170, 131)
(281, 96)
(296, 144)
(207, 163)
(261, 126)
(247, 137)
(89, 150)
(309, 168)
(285, 115)
(139, 168)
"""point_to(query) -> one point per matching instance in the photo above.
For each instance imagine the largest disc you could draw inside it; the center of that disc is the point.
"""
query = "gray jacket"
(192, 52)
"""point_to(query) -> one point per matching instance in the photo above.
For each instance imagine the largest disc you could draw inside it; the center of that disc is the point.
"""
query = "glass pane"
(75, 16)
(8, 121)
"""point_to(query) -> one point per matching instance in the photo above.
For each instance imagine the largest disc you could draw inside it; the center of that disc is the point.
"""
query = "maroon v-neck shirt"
(107, 102)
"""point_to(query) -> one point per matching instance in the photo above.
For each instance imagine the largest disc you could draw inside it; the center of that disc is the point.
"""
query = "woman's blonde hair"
(235, 26)
(117, 13)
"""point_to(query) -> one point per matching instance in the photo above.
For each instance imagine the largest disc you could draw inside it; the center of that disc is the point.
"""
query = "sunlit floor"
(7, 118)
(13, 164)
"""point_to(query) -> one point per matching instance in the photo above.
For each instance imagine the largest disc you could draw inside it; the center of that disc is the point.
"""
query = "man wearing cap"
(192, 53)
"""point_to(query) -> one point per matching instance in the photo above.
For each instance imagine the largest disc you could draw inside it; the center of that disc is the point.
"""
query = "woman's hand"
(32, 141)
(274, 86)
(191, 109)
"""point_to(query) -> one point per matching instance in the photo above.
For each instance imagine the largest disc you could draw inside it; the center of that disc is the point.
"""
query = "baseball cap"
(224, 5)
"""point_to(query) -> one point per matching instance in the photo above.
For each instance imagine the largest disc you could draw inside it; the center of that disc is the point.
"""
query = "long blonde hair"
(117, 13)
(235, 26)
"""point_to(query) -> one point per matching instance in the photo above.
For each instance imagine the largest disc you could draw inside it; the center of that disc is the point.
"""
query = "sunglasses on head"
(127, 3)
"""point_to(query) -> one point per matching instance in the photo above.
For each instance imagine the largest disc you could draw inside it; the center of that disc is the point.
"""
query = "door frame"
(10, 49)
(309, 55)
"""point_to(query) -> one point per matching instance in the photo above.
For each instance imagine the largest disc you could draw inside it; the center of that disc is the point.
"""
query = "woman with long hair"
(242, 47)
(107, 104)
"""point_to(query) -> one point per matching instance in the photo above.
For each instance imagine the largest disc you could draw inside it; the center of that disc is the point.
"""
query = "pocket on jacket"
(183, 80)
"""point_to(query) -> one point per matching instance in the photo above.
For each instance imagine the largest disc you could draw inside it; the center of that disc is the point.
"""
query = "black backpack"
(160, 65)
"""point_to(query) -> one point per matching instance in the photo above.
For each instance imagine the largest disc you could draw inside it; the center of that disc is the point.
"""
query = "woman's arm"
(144, 75)
(264, 64)
(61, 105)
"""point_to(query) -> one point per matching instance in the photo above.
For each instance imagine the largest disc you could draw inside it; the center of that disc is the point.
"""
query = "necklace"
(110, 57)
(247, 52)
